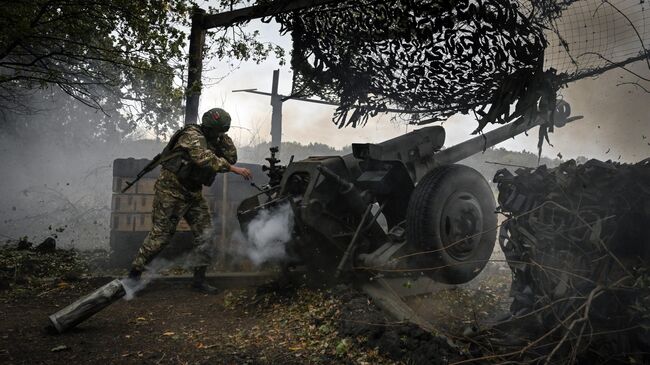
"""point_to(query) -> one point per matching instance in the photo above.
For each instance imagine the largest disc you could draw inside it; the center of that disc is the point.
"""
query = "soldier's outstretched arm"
(241, 171)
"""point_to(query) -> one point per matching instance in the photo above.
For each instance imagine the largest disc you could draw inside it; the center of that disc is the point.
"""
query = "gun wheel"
(451, 220)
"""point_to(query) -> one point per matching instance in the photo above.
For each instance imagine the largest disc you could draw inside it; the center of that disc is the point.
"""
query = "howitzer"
(438, 216)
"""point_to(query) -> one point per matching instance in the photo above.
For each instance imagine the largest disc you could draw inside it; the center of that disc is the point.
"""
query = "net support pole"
(276, 115)
(195, 66)
(223, 241)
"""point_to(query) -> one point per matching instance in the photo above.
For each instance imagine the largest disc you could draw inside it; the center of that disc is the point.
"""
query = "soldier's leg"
(167, 211)
(198, 217)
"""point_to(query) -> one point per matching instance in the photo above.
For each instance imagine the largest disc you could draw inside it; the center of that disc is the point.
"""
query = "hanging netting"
(593, 36)
(430, 59)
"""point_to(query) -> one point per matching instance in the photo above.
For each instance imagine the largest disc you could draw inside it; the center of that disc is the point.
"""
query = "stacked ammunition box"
(131, 211)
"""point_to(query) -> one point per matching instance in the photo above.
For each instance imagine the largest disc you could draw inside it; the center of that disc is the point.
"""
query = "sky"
(616, 118)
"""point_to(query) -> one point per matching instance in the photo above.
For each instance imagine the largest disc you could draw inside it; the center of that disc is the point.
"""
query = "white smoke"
(267, 235)
(266, 238)
(187, 261)
(132, 286)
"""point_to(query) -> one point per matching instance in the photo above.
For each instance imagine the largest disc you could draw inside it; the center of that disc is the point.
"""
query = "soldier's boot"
(199, 284)
(135, 274)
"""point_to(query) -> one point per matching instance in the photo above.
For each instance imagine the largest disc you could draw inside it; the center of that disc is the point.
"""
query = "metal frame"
(201, 22)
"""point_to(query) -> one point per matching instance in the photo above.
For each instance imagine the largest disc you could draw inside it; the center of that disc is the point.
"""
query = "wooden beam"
(195, 67)
(276, 115)
(259, 11)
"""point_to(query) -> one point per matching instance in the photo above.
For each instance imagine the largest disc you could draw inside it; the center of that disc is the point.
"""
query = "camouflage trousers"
(168, 208)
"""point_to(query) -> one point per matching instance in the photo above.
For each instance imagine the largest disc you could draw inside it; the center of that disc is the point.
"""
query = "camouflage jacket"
(215, 156)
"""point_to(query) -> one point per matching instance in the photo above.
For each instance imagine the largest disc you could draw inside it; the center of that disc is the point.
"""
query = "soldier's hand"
(242, 171)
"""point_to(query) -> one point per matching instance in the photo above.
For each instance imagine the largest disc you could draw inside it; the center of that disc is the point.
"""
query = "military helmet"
(216, 119)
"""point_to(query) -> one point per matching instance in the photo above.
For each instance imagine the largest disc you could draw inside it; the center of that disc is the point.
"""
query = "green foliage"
(125, 58)
(235, 43)
(88, 49)
(342, 347)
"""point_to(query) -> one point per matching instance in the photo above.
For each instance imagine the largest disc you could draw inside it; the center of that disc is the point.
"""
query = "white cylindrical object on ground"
(86, 306)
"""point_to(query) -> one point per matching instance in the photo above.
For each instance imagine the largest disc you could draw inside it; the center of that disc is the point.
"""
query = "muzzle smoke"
(267, 235)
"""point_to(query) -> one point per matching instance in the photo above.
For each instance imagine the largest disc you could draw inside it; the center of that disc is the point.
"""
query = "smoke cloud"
(132, 286)
(267, 235)
(187, 261)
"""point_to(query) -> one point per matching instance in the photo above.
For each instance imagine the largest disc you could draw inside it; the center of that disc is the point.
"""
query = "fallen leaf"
(205, 347)
(60, 348)
(169, 333)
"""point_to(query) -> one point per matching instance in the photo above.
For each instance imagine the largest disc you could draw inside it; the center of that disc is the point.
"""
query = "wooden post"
(225, 202)
(195, 67)
(276, 115)
(269, 8)
(202, 21)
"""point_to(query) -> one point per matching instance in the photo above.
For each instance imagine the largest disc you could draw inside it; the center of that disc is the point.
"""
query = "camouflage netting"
(430, 57)
(578, 243)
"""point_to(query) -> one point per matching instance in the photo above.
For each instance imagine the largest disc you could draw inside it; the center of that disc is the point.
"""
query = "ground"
(167, 323)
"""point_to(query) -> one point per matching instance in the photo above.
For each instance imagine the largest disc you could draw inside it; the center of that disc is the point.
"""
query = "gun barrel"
(459, 152)
(478, 144)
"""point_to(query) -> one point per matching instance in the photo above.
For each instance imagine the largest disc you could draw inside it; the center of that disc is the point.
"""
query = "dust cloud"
(57, 173)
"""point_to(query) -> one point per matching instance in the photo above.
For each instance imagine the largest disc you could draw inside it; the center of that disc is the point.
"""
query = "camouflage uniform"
(174, 200)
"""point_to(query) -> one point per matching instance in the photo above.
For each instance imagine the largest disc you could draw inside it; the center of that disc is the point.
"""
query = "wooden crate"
(143, 203)
(122, 222)
(132, 203)
(146, 186)
(142, 223)
(119, 183)
(123, 203)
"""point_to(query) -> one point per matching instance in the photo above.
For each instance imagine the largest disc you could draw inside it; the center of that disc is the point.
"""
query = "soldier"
(193, 157)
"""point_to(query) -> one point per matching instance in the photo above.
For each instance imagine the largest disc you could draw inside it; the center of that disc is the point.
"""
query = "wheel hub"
(462, 222)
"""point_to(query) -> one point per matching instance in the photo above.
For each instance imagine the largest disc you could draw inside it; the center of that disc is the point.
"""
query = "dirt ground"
(167, 323)
(161, 326)
(170, 324)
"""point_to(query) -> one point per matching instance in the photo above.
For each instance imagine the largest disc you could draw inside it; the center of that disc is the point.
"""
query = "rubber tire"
(426, 205)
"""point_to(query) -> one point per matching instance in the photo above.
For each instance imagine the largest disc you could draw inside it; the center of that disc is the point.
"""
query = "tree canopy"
(125, 58)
